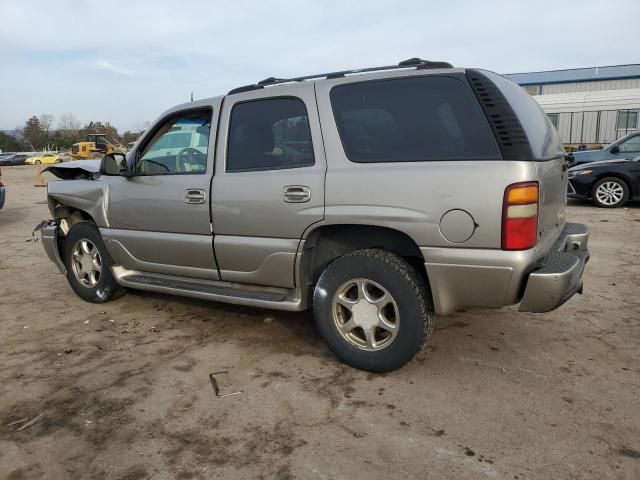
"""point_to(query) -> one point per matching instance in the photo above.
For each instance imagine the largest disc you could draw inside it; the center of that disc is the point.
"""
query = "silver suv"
(379, 197)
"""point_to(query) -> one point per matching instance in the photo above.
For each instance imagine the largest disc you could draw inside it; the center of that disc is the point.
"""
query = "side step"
(217, 291)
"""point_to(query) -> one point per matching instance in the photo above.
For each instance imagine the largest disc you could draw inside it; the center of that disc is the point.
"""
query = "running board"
(227, 292)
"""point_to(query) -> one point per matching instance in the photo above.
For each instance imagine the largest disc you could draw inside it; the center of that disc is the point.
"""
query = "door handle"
(194, 196)
(297, 194)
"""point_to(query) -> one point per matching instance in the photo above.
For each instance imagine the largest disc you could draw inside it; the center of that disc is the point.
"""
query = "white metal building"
(588, 105)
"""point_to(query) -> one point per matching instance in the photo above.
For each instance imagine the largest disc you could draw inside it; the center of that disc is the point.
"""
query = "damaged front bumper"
(50, 236)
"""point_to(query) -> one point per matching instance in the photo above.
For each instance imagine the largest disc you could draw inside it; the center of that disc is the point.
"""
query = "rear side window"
(543, 137)
(411, 120)
(268, 135)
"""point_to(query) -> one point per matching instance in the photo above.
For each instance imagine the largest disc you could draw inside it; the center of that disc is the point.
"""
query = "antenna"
(192, 96)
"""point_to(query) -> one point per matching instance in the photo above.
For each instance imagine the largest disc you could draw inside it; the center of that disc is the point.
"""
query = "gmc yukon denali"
(378, 197)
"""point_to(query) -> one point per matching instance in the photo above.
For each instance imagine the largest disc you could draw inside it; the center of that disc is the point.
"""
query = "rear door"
(269, 182)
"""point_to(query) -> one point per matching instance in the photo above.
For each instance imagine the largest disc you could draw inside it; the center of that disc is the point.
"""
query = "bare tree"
(46, 121)
(68, 123)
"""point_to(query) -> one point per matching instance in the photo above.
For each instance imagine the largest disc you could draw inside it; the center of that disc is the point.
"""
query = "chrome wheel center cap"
(87, 263)
(365, 314)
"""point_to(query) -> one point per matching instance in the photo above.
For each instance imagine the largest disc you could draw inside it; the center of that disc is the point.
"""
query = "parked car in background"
(46, 158)
(65, 156)
(2, 191)
(15, 159)
(609, 183)
(378, 198)
(625, 147)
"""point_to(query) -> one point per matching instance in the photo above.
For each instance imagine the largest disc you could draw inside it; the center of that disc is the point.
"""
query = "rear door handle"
(297, 194)
(194, 196)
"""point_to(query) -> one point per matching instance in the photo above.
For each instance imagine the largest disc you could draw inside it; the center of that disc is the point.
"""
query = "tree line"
(39, 133)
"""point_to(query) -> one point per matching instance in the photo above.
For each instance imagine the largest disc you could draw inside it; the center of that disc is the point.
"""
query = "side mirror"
(113, 164)
(615, 149)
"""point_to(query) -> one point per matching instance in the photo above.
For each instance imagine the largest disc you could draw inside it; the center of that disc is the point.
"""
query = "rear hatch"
(530, 136)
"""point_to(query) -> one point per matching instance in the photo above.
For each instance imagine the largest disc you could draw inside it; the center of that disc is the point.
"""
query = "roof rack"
(416, 63)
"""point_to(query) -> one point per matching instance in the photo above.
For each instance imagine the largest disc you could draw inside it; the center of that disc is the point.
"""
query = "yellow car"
(45, 158)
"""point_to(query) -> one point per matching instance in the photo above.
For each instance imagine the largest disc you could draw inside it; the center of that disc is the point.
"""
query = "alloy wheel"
(86, 263)
(610, 193)
(365, 314)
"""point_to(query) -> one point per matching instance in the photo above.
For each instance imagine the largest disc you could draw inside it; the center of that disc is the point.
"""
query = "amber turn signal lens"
(525, 193)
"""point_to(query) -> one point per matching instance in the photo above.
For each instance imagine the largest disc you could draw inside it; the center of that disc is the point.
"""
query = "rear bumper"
(50, 243)
(558, 275)
(469, 277)
(3, 194)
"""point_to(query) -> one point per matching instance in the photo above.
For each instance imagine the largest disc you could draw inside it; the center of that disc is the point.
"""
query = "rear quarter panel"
(413, 196)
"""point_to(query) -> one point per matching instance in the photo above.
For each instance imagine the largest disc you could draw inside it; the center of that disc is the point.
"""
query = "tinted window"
(412, 119)
(544, 140)
(180, 146)
(269, 134)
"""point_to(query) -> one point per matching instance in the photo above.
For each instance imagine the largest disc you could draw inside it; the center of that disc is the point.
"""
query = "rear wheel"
(373, 309)
(88, 265)
(610, 192)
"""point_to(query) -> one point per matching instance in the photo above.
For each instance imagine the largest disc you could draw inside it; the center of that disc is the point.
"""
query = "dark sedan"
(15, 159)
(609, 183)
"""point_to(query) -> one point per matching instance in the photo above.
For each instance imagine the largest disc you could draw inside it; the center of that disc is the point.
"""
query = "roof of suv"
(413, 63)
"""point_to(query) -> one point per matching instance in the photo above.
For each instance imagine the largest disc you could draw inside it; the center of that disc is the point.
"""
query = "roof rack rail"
(417, 63)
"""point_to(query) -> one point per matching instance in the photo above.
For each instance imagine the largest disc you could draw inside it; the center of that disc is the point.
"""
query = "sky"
(127, 61)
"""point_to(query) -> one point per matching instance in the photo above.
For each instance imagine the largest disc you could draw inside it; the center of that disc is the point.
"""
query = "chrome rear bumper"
(558, 275)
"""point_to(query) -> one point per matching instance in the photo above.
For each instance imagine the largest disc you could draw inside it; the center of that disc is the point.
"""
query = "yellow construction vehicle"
(96, 146)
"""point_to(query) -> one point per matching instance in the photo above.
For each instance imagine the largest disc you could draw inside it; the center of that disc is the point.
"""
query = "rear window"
(411, 120)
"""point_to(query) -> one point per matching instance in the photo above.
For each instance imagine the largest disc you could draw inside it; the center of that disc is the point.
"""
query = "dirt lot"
(124, 392)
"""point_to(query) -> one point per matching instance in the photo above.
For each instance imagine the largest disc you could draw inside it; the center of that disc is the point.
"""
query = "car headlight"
(580, 172)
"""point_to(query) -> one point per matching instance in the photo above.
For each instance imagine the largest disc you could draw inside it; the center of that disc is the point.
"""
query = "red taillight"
(520, 216)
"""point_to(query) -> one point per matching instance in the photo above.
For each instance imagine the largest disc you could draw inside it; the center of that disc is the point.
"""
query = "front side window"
(269, 134)
(554, 119)
(180, 146)
(410, 120)
(631, 145)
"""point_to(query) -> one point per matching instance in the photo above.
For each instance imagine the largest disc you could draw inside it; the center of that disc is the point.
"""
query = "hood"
(601, 163)
(585, 155)
(78, 169)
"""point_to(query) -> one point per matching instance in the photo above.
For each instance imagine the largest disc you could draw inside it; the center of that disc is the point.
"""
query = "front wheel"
(373, 310)
(38, 162)
(610, 192)
(88, 265)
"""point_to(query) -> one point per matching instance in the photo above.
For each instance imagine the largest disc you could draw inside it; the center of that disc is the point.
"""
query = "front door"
(159, 218)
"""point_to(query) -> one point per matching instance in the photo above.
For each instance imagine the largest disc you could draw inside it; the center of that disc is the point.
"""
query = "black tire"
(106, 287)
(37, 162)
(407, 288)
(610, 180)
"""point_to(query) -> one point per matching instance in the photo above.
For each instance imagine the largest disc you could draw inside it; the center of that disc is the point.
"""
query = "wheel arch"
(325, 243)
(71, 215)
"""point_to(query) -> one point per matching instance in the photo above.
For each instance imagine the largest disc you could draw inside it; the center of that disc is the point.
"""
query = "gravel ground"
(121, 390)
